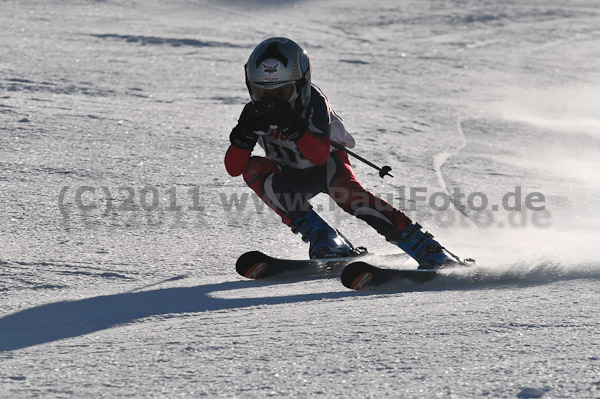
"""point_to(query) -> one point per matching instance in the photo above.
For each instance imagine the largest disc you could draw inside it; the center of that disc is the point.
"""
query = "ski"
(362, 274)
(258, 265)
(359, 275)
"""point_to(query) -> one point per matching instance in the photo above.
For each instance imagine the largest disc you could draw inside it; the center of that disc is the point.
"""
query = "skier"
(292, 121)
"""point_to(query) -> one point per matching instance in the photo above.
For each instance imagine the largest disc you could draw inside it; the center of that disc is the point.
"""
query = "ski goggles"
(285, 91)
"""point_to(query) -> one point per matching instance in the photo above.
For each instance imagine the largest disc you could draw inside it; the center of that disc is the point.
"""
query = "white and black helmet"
(278, 65)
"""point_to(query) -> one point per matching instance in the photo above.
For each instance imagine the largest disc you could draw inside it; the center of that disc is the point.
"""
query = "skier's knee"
(349, 196)
(257, 168)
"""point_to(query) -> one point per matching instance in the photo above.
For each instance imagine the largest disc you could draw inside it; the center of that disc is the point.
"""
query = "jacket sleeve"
(236, 160)
(314, 147)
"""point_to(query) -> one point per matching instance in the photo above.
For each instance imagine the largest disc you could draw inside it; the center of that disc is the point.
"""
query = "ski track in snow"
(438, 163)
(132, 298)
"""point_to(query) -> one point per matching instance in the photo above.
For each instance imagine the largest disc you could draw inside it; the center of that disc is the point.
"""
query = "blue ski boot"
(324, 240)
(424, 249)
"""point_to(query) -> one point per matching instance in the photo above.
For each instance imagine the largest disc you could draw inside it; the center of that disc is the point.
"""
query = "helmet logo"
(270, 69)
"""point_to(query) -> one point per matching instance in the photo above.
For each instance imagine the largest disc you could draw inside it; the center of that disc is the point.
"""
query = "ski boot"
(325, 242)
(424, 249)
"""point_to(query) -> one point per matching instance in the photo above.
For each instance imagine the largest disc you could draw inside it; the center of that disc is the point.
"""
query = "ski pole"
(382, 171)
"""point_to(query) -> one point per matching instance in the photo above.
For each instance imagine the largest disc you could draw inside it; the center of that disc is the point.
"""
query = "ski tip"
(361, 281)
(357, 275)
(256, 270)
(252, 265)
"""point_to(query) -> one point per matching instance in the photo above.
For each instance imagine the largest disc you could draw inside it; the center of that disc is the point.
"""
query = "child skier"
(292, 121)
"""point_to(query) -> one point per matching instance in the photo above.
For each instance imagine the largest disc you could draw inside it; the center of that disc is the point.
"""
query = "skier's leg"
(390, 222)
(345, 189)
(259, 175)
(287, 191)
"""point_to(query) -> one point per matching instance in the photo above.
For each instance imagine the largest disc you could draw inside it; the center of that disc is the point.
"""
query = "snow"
(139, 299)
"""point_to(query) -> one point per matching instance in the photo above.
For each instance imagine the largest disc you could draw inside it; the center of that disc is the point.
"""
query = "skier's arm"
(243, 139)
(236, 160)
(242, 142)
(314, 147)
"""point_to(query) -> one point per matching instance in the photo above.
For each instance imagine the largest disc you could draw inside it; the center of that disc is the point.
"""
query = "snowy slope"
(128, 106)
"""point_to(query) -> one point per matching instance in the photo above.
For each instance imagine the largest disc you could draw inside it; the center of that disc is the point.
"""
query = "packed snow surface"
(120, 227)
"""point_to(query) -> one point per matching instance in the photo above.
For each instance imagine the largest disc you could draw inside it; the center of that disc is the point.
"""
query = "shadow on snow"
(67, 319)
